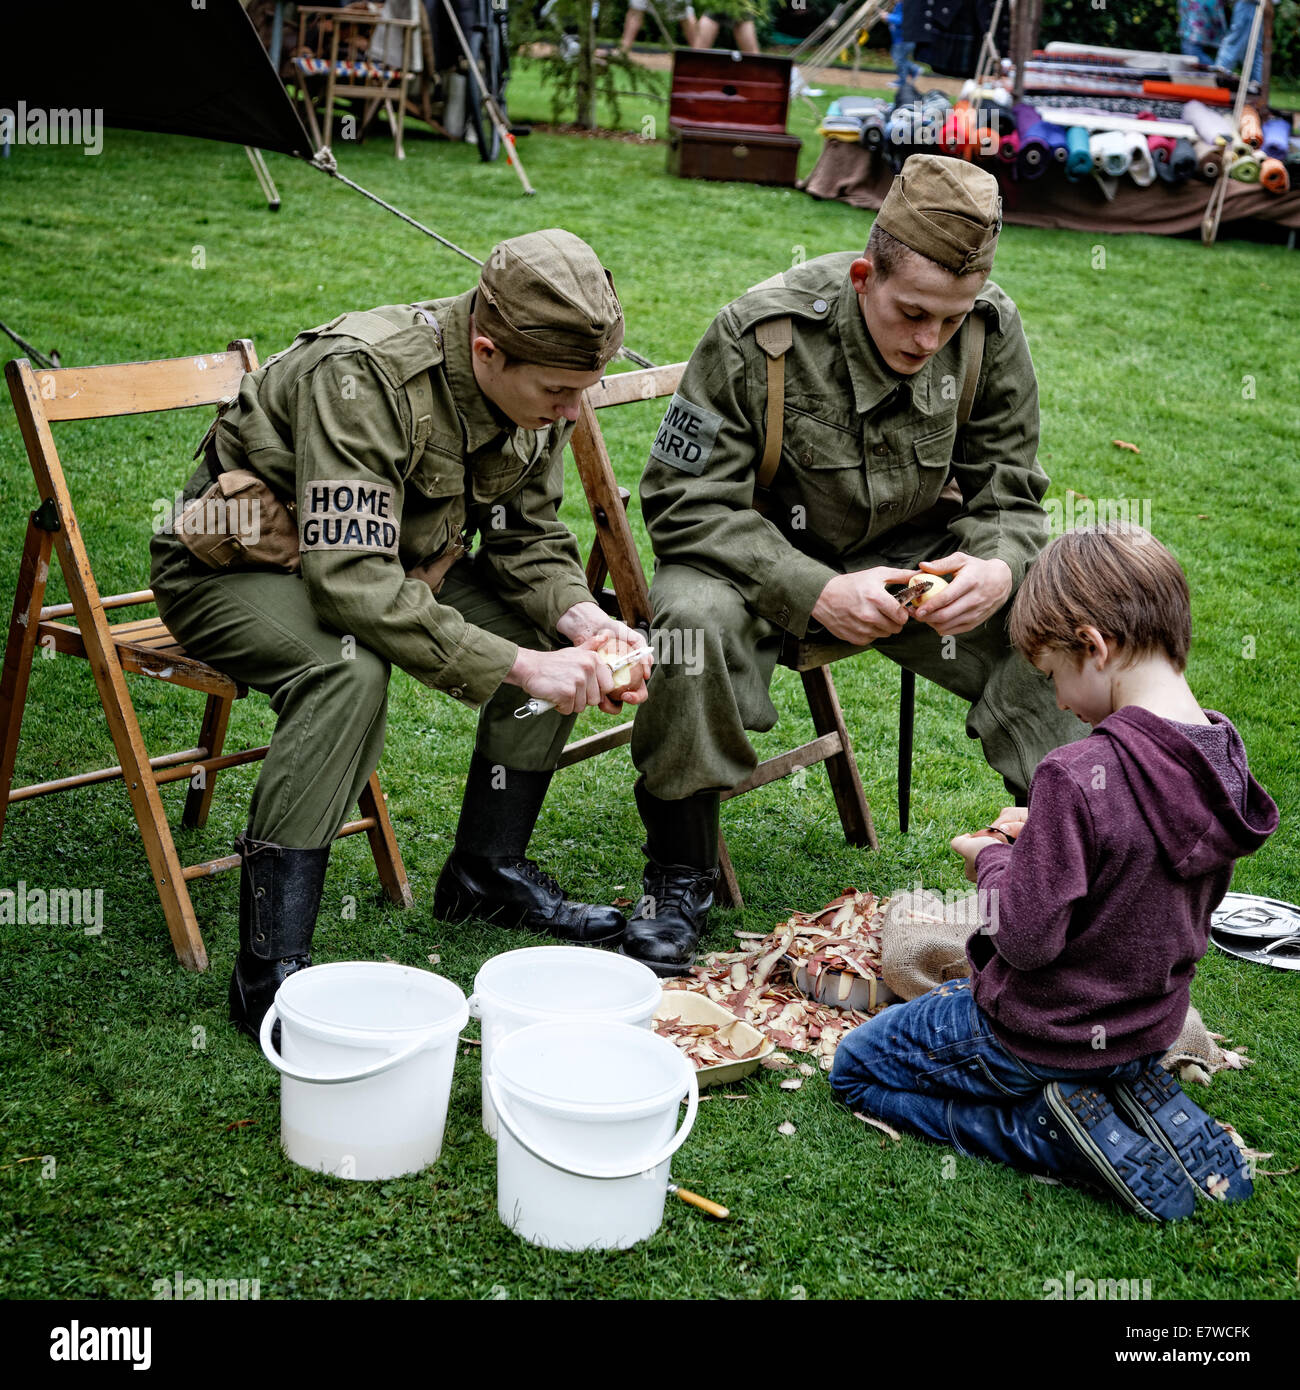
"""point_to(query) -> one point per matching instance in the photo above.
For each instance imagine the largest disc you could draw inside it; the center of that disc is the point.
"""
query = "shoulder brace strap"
(973, 350)
(775, 337)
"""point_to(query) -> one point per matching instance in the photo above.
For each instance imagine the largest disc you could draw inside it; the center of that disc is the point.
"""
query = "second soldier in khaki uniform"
(393, 435)
(872, 356)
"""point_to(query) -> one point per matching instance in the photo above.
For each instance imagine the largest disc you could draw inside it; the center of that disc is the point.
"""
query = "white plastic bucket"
(541, 984)
(587, 1113)
(367, 1050)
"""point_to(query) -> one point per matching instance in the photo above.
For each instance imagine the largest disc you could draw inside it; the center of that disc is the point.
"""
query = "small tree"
(572, 68)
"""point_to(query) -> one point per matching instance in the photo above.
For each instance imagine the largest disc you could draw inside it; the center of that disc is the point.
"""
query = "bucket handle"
(278, 1062)
(643, 1166)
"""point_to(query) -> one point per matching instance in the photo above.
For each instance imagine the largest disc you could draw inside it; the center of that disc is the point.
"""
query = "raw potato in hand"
(625, 674)
(920, 589)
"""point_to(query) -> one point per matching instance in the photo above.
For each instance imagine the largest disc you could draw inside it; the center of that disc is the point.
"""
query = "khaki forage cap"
(545, 297)
(945, 209)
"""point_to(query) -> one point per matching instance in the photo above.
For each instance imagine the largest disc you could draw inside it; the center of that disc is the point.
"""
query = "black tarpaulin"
(183, 67)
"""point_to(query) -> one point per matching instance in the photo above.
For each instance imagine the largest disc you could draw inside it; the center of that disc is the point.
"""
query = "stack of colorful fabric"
(1024, 142)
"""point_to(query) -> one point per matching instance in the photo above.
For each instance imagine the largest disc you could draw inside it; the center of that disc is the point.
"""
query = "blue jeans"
(933, 1066)
(900, 55)
(1233, 48)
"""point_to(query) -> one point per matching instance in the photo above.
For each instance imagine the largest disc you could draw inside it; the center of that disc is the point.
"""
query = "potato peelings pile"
(758, 985)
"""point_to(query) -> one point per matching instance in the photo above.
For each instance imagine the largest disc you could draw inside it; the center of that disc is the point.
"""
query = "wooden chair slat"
(136, 388)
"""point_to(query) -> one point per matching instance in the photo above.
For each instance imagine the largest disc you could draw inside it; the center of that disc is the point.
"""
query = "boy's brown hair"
(1117, 578)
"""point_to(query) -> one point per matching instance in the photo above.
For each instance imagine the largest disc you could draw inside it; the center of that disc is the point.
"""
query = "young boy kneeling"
(1048, 1056)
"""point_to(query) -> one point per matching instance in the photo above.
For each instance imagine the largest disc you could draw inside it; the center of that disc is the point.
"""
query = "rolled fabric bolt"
(1252, 131)
(1277, 137)
(1245, 169)
(1164, 165)
(1050, 135)
(958, 135)
(948, 134)
(1209, 160)
(1033, 156)
(995, 117)
(1009, 147)
(873, 129)
(1156, 143)
(968, 135)
(935, 101)
(1211, 126)
(1183, 160)
(1140, 164)
(1273, 176)
(1078, 159)
(1110, 153)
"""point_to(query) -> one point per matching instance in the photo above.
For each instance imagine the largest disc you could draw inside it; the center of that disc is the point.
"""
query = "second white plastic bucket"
(366, 1056)
(540, 984)
(587, 1113)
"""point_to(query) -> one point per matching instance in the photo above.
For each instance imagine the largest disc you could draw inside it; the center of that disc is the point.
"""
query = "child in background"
(1047, 1058)
(900, 53)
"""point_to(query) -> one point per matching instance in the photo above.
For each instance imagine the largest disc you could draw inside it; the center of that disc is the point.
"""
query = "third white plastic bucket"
(587, 1113)
(367, 1050)
(540, 984)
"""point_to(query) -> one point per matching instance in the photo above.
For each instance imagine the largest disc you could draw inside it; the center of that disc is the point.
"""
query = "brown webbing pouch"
(237, 523)
(433, 572)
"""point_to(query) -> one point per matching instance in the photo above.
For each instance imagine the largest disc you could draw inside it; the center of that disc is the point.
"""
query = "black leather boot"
(680, 876)
(488, 874)
(279, 897)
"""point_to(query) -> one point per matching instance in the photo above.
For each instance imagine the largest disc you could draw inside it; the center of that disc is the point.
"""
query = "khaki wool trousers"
(690, 735)
(330, 696)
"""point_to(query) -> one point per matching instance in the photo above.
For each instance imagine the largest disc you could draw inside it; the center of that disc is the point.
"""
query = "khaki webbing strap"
(974, 356)
(775, 337)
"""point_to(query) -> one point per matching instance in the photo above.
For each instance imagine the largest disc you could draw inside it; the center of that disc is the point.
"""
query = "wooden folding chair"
(614, 554)
(343, 58)
(143, 646)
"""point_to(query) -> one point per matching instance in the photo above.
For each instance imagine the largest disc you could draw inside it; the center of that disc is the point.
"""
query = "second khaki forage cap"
(545, 297)
(945, 209)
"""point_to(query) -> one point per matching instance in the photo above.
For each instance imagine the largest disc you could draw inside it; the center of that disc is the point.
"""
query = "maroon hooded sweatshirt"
(1101, 908)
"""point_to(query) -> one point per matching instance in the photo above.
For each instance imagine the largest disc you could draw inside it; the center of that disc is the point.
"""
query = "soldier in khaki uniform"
(393, 435)
(873, 378)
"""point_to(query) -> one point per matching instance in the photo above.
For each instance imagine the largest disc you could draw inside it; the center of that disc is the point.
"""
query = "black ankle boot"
(682, 850)
(488, 874)
(279, 897)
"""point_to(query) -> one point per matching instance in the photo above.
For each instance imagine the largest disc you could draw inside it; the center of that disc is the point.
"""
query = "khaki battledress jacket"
(374, 427)
(865, 452)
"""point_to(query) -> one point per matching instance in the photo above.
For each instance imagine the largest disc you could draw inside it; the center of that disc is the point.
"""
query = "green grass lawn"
(120, 1066)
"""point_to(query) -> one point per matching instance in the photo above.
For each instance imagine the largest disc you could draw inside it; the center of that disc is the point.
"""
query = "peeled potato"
(921, 589)
(626, 673)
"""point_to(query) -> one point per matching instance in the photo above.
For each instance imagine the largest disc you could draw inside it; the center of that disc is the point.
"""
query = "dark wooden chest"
(727, 116)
